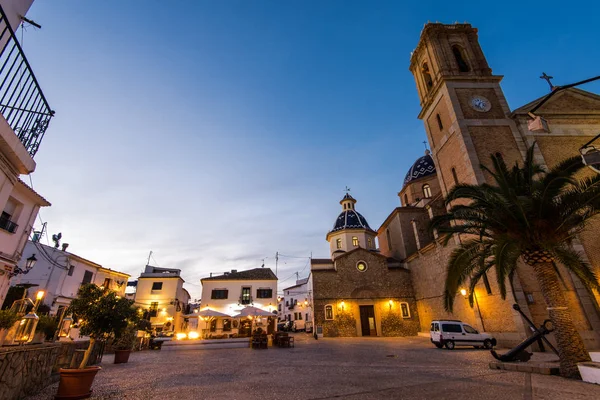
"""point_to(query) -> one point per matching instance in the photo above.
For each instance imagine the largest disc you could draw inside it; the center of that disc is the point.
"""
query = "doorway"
(367, 321)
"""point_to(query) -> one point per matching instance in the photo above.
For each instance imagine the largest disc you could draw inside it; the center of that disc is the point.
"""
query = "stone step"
(203, 344)
(590, 372)
(595, 355)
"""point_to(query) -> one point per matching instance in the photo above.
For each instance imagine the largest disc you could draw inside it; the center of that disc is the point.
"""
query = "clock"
(480, 103)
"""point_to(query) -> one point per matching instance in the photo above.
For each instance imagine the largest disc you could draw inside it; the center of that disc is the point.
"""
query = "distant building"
(60, 274)
(24, 118)
(295, 305)
(161, 298)
(358, 291)
(231, 292)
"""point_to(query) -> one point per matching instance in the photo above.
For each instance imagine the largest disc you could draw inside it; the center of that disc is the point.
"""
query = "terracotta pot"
(76, 383)
(122, 356)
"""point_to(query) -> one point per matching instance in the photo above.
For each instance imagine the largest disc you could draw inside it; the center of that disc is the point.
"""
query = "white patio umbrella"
(253, 312)
(211, 313)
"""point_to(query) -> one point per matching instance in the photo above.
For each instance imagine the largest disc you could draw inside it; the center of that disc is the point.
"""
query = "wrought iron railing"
(22, 102)
(8, 225)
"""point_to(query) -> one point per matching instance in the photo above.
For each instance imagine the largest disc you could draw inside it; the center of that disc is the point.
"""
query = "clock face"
(480, 103)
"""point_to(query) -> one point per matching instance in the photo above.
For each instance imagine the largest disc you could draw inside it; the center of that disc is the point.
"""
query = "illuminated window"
(405, 310)
(427, 191)
(354, 241)
(389, 239)
(246, 297)
(213, 325)
(439, 121)
(460, 60)
(361, 266)
(226, 325)
(427, 76)
(153, 309)
(338, 243)
(370, 242)
(328, 311)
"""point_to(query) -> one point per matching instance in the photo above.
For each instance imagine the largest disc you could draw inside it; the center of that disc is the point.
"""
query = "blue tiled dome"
(424, 166)
(350, 219)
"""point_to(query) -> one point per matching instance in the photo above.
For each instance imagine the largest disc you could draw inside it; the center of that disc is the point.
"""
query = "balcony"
(22, 102)
(245, 300)
(7, 225)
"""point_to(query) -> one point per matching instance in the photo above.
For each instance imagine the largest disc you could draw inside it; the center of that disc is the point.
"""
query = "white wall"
(172, 288)
(300, 297)
(230, 305)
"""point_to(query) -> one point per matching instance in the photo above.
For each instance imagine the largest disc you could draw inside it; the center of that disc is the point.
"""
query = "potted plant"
(102, 314)
(7, 320)
(124, 344)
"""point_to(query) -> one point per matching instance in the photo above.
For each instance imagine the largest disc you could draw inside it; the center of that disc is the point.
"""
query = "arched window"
(328, 311)
(454, 176)
(355, 241)
(389, 239)
(427, 76)
(460, 60)
(405, 200)
(439, 121)
(426, 191)
(369, 243)
(344, 206)
(338, 243)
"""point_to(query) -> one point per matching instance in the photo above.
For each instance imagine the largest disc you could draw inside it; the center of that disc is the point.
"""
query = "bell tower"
(462, 105)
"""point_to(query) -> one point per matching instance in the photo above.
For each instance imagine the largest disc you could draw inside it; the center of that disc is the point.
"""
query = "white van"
(451, 333)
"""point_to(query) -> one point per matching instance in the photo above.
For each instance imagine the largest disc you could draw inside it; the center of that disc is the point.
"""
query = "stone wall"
(25, 370)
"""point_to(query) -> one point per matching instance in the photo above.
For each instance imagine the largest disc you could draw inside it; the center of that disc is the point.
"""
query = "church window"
(328, 311)
(370, 242)
(344, 206)
(355, 241)
(361, 266)
(427, 76)
(427, 191)
(389, 239)
(439, 121)
(405, 310)
(454, 176)
(405, 199)
(338, 243)
(460, 60)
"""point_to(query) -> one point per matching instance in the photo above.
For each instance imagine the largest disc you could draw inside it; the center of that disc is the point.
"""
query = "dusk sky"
(216, 133)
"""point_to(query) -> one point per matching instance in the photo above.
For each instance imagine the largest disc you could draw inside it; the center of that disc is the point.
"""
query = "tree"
(102, 314)
(531, 213)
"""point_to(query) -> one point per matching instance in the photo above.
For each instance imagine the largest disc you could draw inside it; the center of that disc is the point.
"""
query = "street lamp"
(65, 326)
(29, 263)
(26, 328)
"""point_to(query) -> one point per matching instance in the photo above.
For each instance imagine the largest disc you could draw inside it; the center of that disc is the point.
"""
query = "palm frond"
(574, 262)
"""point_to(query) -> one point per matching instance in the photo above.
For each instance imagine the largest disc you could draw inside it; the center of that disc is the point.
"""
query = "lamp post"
(29, 264)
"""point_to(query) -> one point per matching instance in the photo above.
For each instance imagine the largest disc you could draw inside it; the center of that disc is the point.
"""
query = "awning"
(209, 313)
(254, 312)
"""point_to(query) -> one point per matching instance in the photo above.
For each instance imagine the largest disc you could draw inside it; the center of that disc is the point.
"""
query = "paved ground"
(348, 368)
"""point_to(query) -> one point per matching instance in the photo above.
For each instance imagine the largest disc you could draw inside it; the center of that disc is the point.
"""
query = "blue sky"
(216, 133)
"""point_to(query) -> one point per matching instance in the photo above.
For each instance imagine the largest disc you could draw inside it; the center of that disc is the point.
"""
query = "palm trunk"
(87, 354)
(571, 349)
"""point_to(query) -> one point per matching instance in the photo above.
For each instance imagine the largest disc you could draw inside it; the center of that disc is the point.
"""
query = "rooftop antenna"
(149, 255)
(30, 22)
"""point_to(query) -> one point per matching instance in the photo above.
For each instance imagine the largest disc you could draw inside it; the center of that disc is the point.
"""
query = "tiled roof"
(44, 202)
(350, 219)
(424, 166)
(256, 274)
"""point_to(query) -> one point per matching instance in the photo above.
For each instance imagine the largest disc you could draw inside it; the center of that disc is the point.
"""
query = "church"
(396, 288)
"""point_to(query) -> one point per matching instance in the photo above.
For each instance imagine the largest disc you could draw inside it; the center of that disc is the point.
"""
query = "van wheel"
(438, 345)
(487, 343)
(449, 344)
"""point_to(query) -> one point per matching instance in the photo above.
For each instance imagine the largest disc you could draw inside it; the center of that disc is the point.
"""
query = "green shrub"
(47, 325)
(7, 319)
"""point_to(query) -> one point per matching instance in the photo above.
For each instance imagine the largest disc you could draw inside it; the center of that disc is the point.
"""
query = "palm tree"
(527, 212)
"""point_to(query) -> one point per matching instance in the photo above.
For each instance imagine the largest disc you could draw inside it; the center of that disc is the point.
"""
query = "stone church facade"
(467, 119)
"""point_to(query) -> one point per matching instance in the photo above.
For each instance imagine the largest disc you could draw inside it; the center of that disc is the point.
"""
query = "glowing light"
(40, 294)
(180, 336)
(463, 292)
(169, 318)
(193, 335)
(164, 310)
(391, 303)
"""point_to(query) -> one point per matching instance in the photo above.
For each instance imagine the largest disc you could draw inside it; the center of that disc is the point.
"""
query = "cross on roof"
(347, 190)
(547, 79)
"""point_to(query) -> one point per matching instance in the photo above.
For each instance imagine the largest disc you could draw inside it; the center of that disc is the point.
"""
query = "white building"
(24, 118)
(295, 305)
(60, 274)
(231, 292)
(161, 298)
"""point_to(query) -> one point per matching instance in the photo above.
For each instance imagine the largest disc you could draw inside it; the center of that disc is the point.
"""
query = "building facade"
(358, 291)
(24, 118)
(295, 307)
(60, 274)
(161, 298)
(233, 291)
(467, 119)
